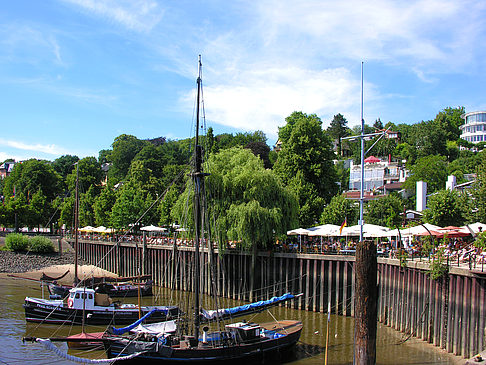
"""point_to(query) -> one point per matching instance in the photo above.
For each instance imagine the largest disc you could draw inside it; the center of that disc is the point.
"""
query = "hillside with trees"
(260, 192)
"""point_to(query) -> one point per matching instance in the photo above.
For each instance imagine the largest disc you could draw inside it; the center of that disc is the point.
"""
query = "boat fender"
(205, 334)
(70, 302)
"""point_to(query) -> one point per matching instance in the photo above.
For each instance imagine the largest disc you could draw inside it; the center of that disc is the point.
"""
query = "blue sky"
(75, 74)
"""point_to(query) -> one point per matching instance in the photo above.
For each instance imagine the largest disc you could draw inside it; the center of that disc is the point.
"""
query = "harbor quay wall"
(449, 313)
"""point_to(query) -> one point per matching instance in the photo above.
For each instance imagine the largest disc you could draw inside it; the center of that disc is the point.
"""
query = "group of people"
(460, 250)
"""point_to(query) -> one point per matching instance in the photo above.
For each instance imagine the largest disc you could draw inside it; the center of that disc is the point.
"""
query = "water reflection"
(310, 349)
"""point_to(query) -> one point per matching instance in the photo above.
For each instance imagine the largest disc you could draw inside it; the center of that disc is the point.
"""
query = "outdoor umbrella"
(86, 229)
(300, 232)
(325, 230)
(152, 228)
(475, 227)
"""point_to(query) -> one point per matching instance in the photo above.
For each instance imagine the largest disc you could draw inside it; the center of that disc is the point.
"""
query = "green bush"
(16, 242)
(438, 267)
(480, 241)
(40, 244)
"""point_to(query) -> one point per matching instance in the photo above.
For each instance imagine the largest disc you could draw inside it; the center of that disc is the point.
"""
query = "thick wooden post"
(365, 304)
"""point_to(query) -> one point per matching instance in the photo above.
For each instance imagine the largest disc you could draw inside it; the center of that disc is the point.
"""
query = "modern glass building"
(474, 130)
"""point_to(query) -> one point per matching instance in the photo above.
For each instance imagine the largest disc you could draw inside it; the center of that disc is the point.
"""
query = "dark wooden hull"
(43, 313)
(268, 350)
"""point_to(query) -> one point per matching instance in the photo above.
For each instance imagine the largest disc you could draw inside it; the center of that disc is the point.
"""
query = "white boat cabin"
(85, 298)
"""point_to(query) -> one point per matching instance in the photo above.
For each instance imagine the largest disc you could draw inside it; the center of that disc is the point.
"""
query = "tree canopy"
(446, 208)
(305, 163)
(248, 203)
(338, 129)
(340, 210)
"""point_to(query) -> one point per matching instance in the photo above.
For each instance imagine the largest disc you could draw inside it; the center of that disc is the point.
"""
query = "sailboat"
(114, 287)
(174, 342)
(210, 336)
(81, 304)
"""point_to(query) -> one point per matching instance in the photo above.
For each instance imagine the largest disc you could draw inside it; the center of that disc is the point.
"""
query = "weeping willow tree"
(245, 202)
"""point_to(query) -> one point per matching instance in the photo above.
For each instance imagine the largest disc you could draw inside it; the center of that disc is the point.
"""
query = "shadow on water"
(309, 351)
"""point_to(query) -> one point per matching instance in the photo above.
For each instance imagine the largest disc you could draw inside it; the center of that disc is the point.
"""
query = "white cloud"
(50, 149)
(304, 56)
(262, 97)
(436, 36)
(29, 43)
(138, 15)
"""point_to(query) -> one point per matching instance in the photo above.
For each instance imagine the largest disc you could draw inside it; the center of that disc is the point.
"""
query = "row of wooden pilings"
(449, 313)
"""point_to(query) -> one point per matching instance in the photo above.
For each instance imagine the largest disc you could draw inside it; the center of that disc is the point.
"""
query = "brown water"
(310, 349)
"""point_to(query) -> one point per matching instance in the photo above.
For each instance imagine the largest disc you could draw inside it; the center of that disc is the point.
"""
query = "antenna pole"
(361, 194)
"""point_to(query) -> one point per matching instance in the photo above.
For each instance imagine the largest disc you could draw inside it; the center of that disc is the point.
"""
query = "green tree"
(385, 211)
(88, 172)
(104, 156)
(248, 203)
(130, 207)
(261, 150)
(103, 205)
(38, 210)
(64, 165)
(210, 140)
(152, 158)
(339, 210)
(16, 211)
(404, 151)
(449, 120)
(431, 169)
(165, 207)
(445, 209)
(378, 125)
(429, 139)
(479, 190)
(452, 151)
(30, 176)
(86, 206)
(125, 148)
(305, 163)
(66, 216)
(337, 130)
(228, 140)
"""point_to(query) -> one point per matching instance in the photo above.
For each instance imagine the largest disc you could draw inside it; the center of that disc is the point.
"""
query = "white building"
(378, 175)
(474, 130)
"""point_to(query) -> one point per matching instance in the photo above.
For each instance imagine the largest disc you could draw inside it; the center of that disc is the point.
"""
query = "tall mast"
(76, 215)
(198, 182)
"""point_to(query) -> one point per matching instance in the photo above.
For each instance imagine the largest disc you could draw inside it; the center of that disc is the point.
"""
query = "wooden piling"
(365, 304)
